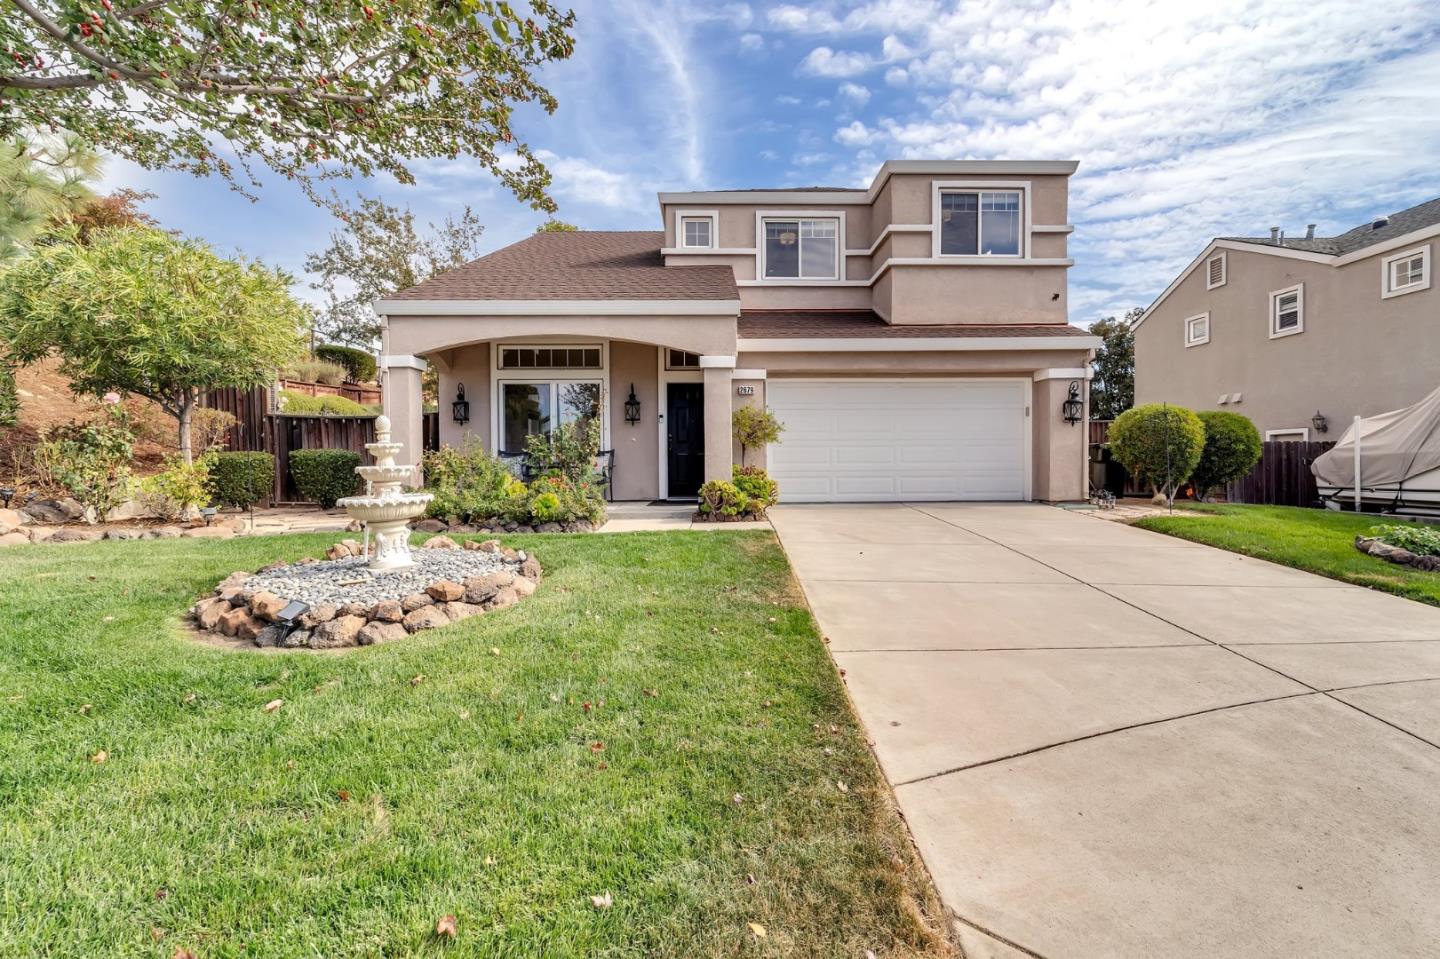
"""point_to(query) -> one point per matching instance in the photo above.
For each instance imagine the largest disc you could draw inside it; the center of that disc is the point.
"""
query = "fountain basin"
(376, 509)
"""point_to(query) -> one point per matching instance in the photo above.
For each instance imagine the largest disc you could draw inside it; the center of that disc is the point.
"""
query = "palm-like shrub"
(1232, 448)
(1159, 444)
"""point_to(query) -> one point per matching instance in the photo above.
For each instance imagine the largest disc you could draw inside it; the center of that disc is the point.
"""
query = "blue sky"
(1189, 120)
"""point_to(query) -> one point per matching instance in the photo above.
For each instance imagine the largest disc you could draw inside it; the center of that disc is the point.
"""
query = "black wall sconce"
(1321, 424)
(1072, 407)
(460, 409)
(632, 407)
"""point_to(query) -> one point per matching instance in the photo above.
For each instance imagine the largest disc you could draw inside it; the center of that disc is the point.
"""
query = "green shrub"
(295, 403)
(1232, 448)
(756, 484)
(473, 485)
(325, 475)
(721, 499)
(91, 460)
(568, 451)
(754, 427)
(9, 398)
(316, 371)
(179, 490)
(241, 479)
(577, 501)
(1158, 444)
(359, 364)
(1418, 540)
(545, 508)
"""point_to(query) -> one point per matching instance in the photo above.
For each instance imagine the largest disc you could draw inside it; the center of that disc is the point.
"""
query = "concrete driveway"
(1112, 743)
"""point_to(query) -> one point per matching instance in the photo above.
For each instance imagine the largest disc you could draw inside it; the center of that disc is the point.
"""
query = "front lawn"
(659, 722)
(1320, 541)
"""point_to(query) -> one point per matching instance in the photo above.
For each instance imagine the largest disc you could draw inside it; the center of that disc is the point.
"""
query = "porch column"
(404, 404)
(717, 372)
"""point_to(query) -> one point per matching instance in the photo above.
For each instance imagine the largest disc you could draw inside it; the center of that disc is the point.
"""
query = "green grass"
(1319, 541)
(366, 808)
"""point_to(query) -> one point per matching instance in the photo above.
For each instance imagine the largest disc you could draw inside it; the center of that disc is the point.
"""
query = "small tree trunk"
(187, 409)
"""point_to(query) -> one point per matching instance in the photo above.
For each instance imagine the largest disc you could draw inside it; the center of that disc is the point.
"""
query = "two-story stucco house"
(1300, 333)
(911, 336)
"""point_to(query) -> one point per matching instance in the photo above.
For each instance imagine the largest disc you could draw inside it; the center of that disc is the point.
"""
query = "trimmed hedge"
(295, 403)
(1159, 444)
(241, 479)
(325, 475)
(359, 365)
(1232, 448)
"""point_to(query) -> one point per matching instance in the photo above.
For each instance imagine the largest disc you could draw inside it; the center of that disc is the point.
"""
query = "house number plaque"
(744, 391)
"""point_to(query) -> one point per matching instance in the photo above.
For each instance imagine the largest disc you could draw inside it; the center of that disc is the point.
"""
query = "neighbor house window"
(1215, 271)
(680, 360)
(697, 232)
(980, 223)
(1301, 434)
(1287, 311)
(802, 249)
(550, 358)
(1197, 330)
(1407, 272)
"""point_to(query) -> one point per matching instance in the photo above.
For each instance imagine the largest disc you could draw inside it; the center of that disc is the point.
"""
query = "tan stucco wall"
(468, 365)
(978, 294)
(421, 335)
(1358, 355)
(636, 446)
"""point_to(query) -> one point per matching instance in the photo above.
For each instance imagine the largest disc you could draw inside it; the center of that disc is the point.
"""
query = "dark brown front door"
(685, 432)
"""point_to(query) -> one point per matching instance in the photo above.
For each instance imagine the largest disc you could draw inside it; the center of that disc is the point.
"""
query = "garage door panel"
(899, 439)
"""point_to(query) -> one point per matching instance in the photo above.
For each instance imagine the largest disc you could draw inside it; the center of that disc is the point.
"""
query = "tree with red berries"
(313, 89)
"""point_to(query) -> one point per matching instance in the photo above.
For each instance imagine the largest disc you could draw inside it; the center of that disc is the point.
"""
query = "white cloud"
(787, 99)
(768, 155)
(855, 93)
(582, 181)
(856, 134)
(897, 76)
(824, 62)
(752, 42)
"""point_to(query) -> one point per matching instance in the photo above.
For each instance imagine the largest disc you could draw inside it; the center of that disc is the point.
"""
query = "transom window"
(550, 358)
(1287, 311)
(1406, 272)
(806, 249)
(1197, 330)
(680, 360)
(980, 222)
(696, 231)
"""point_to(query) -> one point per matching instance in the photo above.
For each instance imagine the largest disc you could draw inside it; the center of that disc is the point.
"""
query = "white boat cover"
(1394, 447)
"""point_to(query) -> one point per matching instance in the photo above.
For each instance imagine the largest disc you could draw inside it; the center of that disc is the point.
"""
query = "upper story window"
(1407, 272)
(1197, 330)
(550, 358)
(980, 222)
(803, 249)
(697, 232)
(1287, 311)
(1215, 274)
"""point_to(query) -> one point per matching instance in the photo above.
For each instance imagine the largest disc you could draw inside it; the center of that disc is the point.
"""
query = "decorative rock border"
(1372, 546)
(385, 608)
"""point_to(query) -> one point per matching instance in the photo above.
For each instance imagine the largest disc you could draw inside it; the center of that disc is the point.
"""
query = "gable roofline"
(1260, 246)
(887, 169)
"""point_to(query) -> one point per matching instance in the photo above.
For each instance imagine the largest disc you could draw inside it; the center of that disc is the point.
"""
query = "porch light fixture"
(1072, 407)
(460, 409)
(1321, 424)
(7, 493)
(632, 407)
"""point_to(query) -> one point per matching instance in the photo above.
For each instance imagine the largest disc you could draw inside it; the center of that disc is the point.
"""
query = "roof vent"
(1309, 231)
(1380, 222)
(1274, 234)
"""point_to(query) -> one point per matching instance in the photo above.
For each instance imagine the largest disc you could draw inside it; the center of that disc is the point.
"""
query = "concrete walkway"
(1111, 743)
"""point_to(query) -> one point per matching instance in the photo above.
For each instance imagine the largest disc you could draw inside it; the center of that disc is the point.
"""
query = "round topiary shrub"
(325, 475)
(1232, 448)
(722, 500)
(1158, 444)
(359, 364)
(241, 479)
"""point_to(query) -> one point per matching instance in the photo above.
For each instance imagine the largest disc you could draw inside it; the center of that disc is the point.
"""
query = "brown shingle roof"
(754, 324)
(584, 265)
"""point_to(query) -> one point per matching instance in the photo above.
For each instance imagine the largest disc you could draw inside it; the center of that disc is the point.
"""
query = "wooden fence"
(358, 392)
(260, 430)
(1282, 477)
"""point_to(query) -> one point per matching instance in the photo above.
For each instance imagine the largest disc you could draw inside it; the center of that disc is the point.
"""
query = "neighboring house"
(911, 336)
(1299, 332)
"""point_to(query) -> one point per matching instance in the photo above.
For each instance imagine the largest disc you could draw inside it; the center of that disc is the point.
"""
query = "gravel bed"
(334, 581)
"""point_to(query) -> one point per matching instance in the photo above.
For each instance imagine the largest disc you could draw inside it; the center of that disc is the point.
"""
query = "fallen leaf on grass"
(840, 785)
(189, 698)
(489, 860)
(597, 747)
(343, 795)
(586, 706)
(603, 766)
(182, 953)
(100, 757)
(464, 714)
(829, 751)
(273, 705)
(446, 927)
(737, 799)
(756, 929)
(156, 933)
(494, 650)
(652, 693)
(749, 879)
(85, 709)
(417, 679)
(602, 902)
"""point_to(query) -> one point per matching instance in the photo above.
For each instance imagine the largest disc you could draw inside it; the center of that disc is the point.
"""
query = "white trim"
(499, 346)
(899, 344)
(557, 307)
(889, 229)
(499, 377)
(1063, 373)
(1302, 431)
(716, 362)
(708, 251)
(918, 261)
(1222, 256)
(940, 187)
(762, 215)
(682, 215)
(1053, 228)
(1387, 274)
(1192, 340)
(663, 379)
(402, 361)
(747, 374)
(1299, 290)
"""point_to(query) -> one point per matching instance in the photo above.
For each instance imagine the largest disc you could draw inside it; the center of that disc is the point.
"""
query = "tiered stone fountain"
(386, 509)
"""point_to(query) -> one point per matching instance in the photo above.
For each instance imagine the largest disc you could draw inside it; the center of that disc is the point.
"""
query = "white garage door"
(854, 440)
